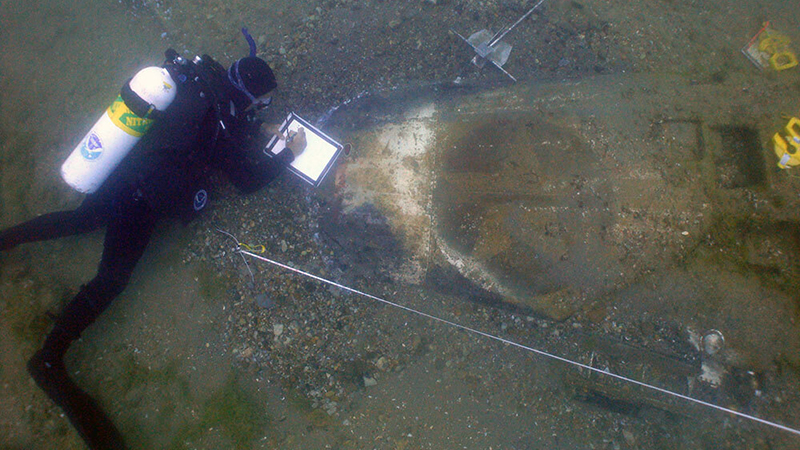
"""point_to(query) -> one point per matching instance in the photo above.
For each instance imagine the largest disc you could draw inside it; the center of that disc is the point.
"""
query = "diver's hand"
(274, 129)
(297, 141)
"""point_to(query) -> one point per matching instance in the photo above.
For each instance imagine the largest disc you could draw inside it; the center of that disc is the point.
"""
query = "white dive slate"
(321, 151)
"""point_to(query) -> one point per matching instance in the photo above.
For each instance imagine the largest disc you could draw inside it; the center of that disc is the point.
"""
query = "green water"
(646, 122)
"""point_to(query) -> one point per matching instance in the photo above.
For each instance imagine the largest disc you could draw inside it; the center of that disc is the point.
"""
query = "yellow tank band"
(126, 120)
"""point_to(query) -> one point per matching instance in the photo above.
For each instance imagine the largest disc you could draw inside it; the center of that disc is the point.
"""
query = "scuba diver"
(210, 125)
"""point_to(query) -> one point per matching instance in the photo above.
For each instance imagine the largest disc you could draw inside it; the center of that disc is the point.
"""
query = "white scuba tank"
(117, 131)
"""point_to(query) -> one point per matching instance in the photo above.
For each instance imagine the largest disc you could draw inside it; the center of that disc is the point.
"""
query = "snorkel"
(236, 79)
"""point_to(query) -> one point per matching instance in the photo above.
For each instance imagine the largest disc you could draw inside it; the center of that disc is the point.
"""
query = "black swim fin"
(83, 412)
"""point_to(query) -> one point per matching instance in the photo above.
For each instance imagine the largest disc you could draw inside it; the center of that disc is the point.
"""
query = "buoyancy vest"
(169, 166)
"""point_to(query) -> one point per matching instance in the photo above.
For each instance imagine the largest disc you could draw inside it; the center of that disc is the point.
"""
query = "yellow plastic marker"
(787, 144)
(253, 248)
(783, 60)
(770, 49)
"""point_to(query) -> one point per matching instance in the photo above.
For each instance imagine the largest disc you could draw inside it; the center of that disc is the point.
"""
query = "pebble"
(416, 342)
(382, 363)
(369, 381)
(331, 408)
(629, 437)
(277, 329)
(263, 301)
(713, 342)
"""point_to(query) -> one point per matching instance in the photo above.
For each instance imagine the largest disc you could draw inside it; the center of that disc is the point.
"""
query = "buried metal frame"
(489, 48)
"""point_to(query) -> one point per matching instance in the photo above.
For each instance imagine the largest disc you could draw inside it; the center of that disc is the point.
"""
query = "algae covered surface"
(619, 206)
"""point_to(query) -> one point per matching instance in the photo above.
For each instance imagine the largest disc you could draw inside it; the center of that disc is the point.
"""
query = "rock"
(277, 329)
(416, 341)
(331, 408)
(712, 373)
(713, 342)
(382, 363)
(369, 381)
(263, 301)
(629, 437)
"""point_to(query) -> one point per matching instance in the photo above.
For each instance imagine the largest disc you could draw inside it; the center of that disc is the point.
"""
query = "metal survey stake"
(490, 48)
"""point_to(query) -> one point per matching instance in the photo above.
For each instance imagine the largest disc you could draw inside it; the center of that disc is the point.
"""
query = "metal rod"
(503, 70)
(543, 353)
(495, 40)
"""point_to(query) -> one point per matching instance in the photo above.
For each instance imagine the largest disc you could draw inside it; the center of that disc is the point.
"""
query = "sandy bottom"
(648, 218)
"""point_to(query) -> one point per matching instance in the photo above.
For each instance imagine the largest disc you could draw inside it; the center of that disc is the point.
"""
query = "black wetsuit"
(163, 175)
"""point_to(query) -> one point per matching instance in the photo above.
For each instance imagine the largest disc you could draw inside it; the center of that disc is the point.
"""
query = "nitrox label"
(92, 147)
(126, 120)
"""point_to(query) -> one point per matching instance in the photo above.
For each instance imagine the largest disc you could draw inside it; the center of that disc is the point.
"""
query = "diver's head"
(253, 77)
